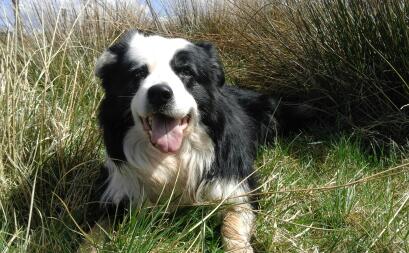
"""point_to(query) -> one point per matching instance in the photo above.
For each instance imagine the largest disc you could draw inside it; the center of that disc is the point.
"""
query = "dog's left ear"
(215, 63)
(107, 59)
(110, 56)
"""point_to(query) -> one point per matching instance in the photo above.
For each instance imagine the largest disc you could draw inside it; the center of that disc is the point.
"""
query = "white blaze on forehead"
(154, 51)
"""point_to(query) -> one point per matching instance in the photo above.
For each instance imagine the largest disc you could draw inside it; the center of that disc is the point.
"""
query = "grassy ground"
(365, 215)
(321, 190)
(318, 194)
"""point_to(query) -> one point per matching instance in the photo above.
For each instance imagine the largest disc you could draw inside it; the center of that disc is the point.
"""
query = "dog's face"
(165, 83)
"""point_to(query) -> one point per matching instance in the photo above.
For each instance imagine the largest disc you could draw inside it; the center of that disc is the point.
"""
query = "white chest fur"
(150, 174)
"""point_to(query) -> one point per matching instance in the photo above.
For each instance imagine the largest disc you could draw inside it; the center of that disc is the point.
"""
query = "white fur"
(152, 173)
(229, 191)
(237, 228)
(123, 183)
(157, 52)
(238, 216)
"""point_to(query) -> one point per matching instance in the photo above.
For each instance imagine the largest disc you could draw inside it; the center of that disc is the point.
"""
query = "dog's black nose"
(159, 95)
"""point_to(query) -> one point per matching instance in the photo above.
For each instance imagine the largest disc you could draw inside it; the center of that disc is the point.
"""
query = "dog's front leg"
(237, 228)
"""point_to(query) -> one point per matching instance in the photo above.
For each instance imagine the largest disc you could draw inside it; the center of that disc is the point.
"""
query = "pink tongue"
(167, 134)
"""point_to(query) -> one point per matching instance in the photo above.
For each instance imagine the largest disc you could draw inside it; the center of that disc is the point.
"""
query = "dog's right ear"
(104, 62)
(215, 63)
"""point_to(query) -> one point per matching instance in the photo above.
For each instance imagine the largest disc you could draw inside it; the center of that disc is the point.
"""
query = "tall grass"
(347, 58)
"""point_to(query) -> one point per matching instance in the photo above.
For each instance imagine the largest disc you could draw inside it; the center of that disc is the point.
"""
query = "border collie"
(173, 129)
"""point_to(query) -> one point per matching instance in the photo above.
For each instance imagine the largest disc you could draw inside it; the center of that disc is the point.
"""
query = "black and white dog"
(172, 128)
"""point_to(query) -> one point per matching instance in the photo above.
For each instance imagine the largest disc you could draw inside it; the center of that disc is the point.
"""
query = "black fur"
(237, 120)
(119, 83)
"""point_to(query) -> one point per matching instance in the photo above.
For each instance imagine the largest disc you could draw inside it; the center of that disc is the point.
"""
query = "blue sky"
(7, 17)
(5, 11)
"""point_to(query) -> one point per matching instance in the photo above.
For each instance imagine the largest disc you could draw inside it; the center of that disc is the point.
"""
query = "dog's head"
(165, 82)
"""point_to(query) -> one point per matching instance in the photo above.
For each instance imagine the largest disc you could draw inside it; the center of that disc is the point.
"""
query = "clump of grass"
(356, 52)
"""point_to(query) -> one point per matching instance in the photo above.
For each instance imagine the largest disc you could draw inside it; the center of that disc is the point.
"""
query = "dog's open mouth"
(166, 133)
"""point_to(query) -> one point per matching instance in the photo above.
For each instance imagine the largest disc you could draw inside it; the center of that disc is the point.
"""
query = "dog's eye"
(186, 71)
(140, 72)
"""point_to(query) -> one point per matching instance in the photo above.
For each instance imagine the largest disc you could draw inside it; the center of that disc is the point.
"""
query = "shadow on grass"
(63, 203)
(53, 202)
